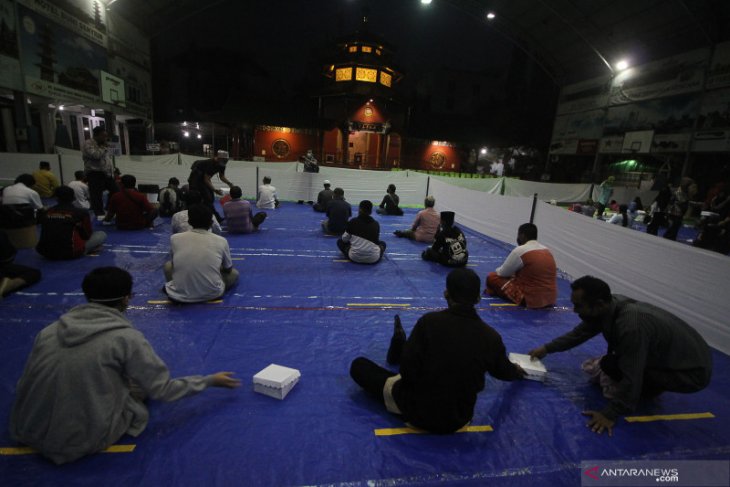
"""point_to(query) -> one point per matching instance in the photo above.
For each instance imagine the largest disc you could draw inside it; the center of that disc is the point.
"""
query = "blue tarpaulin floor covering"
(300, 304)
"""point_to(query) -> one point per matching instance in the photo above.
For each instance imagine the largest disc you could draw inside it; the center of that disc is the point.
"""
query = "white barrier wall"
(684, 280)
(487, 185)
(493, 215)
(687, 281)
(561, 193)
(13, 165)
(625, 194)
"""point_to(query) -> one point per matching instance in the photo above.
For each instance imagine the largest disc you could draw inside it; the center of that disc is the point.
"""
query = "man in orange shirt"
(529, 275)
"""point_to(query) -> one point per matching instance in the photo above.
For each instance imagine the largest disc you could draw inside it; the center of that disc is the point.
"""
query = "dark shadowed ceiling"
(571, 40)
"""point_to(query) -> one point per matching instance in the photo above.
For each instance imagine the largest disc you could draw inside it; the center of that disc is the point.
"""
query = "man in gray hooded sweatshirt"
(84, 383)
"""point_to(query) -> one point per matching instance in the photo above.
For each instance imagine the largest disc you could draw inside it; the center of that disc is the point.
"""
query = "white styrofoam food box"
(534, 368)
(276, 381)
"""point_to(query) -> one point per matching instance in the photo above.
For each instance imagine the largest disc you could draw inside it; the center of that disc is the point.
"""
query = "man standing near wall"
(99, 169)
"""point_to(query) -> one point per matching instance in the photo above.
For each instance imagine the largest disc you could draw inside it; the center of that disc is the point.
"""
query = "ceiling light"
(425, 2)
(490, 15)
(621, 65)
(484, 150)
(186, 133)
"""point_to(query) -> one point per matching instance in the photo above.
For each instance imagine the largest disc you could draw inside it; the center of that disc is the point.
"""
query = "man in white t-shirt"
(179, 220)
(81, 191)
(267, 196)
(21, 193)
(201, 267)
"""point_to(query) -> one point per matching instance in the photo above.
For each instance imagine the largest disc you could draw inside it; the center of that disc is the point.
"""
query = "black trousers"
(98, 182)
(16, 271)
(657, 381)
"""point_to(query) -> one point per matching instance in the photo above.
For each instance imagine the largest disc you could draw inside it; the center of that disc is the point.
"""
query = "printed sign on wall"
(683, 73)
(719, 74)
(58, 62)
(10, 75)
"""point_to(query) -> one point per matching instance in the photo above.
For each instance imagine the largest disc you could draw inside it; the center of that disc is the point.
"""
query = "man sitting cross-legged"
(201, 267)
(528, 276)
(339, 212)
(442, 363)
(88, 374)
(449, 245)
(132, 209)
(239, 215)
(66, 230)
(425, 225)
(361, 241)
(179, 221)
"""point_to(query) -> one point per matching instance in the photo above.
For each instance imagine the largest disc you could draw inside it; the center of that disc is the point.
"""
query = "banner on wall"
(715, 110)
(571, 128)
(719, 74)
(683, 73)
(612, 144)
(671, 142)
(587, 146)
(584, 96)
(57, 62)
(82, 17)
(10, 74)
(665, 115)
(711, 141)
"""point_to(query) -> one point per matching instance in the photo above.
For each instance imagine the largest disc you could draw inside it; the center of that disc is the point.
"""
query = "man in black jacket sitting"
(442, 363)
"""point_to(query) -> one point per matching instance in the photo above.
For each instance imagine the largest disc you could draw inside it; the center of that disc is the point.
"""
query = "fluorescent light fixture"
(621, 65)
(491, 15)
(425, 2)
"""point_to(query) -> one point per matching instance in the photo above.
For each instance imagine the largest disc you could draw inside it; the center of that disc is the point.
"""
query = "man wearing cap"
(449, 246)
(529, 275)
(201, 173)
(361, 241)
(323, 198)
(88, 374)
(442, 363)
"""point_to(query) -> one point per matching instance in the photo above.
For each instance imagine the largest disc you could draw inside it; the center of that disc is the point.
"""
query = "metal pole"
(534, 204)
(257, 183)
(428, 184)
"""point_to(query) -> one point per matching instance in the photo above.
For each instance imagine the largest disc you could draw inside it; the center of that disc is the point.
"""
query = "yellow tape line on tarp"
(668, 417)
(415, 431)
(25, 450)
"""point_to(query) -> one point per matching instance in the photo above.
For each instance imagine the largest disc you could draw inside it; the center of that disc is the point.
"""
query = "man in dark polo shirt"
(131, 208)
(338, 213)
(649, 349)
